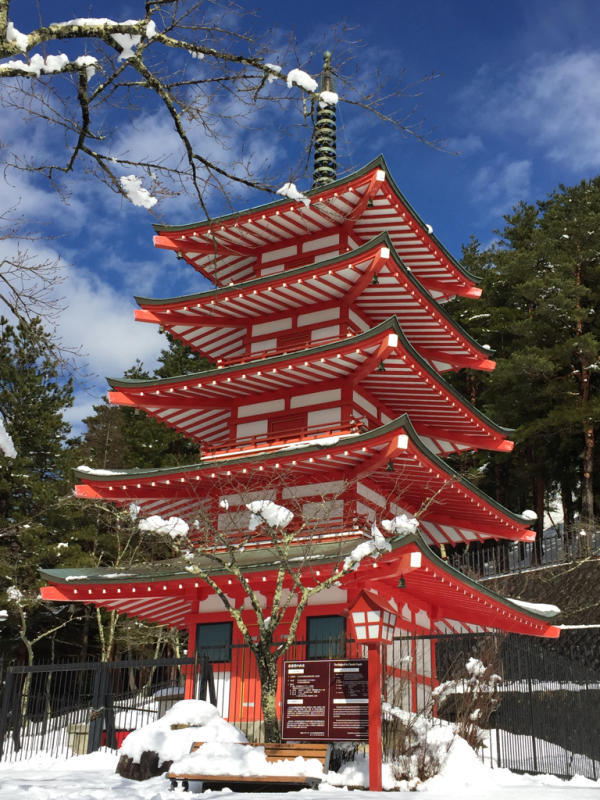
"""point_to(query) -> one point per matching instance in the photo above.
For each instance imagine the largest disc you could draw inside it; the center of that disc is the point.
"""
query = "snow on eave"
(101, 472)
(541, 609)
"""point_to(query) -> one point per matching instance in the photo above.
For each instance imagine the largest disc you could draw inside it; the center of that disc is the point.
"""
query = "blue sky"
(518, 96)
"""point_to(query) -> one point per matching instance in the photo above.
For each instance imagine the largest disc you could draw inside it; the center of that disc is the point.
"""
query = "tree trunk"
(587, 482)
(566, 497)
(539, 486)
(85, 634)
(267, 670)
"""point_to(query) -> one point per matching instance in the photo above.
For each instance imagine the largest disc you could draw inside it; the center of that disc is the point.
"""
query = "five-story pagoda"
(328, 335)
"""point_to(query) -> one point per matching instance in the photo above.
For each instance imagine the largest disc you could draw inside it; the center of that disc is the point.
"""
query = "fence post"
(497, 745)
(530, 687)
(7, 694)
(207, 682)
(97, 709)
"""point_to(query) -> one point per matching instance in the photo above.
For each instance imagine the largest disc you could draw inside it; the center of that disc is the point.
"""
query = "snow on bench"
(264, 765)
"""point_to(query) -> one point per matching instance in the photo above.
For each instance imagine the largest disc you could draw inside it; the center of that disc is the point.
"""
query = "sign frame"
(326, 700)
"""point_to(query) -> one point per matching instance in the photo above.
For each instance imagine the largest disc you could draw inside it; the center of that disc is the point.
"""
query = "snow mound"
(301, 79)
(373, 547)
(290, 191)
(139, 196)
(400, 525)
(171, 742)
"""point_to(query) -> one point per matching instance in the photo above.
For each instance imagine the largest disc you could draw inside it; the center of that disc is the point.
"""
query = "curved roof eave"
(381, 239)
(176, 571)
(378, 162)
(402, 422)
(439, 563)
(390, 322)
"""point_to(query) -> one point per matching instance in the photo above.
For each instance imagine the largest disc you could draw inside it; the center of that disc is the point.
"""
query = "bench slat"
(237, 778)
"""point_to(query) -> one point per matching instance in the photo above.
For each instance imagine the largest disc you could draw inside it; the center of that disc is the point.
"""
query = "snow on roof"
(100, 472)
(543, 609)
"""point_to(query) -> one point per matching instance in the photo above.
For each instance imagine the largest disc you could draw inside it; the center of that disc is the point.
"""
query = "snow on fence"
(546, 718)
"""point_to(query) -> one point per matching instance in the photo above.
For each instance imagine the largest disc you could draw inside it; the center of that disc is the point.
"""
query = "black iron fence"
(546, 718)
(504, 558)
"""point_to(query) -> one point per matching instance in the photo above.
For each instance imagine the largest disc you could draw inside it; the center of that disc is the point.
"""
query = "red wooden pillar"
(375, 748)
(189, 670)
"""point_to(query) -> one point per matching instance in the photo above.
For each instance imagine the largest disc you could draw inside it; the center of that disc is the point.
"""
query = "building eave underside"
(253, 378)
(418, 476)
(222, 295)
(208, 228)
(168, 594)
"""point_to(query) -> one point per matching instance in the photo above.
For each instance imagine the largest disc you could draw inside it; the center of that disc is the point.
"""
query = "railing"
(288, 347)
(547, 718)
(280, 439)
(505, 558)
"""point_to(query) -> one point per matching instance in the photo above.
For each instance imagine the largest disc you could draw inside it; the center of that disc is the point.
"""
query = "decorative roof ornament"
(325, 164)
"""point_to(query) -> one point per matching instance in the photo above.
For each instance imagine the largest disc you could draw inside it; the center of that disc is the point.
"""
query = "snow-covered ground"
(93, 777)
(224, 752)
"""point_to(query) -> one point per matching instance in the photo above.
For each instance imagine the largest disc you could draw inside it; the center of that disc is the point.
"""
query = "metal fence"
(506, 558)
(547, 715)
(547, 718)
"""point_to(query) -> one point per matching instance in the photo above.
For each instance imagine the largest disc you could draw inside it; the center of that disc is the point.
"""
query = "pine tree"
(118, 437)
(540, 291)
(33, 486)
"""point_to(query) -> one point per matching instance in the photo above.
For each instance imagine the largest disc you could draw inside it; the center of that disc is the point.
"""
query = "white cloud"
(551, 100)
(501, 184)
(464, 145)
(100, 319)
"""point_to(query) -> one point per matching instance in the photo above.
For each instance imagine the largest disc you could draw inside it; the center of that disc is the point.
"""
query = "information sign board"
(325, 699)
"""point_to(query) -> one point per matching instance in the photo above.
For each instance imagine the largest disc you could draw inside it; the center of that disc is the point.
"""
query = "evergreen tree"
(540, 291)
(118, 437)
(35, 484)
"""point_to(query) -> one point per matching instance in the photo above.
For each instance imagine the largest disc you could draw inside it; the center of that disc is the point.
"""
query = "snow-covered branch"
(194, 69)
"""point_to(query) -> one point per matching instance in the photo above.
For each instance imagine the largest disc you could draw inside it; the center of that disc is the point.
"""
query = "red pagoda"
(329, 339)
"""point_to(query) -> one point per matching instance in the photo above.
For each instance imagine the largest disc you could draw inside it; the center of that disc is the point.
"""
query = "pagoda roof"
(372, 280)
(167, 594)
(380, 361)
(233, 248)
(391, 460)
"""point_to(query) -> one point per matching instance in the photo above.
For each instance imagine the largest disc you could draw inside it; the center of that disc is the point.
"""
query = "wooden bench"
(265, 783)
